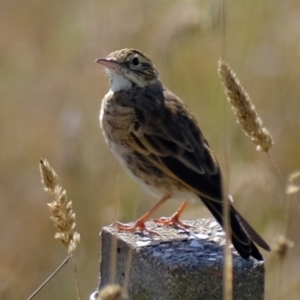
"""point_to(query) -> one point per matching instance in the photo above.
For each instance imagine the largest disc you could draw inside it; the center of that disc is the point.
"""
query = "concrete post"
(175, 265)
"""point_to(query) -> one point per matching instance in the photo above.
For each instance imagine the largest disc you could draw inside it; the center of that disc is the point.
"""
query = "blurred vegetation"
(51, 90)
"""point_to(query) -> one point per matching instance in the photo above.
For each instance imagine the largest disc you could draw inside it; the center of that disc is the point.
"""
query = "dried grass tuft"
(291, 187)
(244, 109)
(62, 214)
(110, 292)
(283, 244)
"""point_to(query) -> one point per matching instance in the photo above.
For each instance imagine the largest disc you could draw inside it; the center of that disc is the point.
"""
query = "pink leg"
(139, 225)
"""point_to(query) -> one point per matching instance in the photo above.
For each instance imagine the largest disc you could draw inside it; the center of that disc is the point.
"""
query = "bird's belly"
(122, 155)
(157, 186)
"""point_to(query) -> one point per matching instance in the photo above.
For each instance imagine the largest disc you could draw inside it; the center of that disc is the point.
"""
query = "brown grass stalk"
(282, 247)
(62, 214)
(228, 280)
(244, 109)
(227, 271)
(64, 219)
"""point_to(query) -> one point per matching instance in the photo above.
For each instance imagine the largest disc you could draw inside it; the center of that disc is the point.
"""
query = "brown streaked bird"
(159, 143)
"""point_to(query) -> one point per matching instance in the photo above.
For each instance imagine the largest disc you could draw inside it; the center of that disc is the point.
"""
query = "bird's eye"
(135, 61)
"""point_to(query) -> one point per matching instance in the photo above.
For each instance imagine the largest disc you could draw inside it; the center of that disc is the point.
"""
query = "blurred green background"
(51, 91)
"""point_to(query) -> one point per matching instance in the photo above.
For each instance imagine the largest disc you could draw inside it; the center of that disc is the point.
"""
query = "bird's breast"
(116, 119)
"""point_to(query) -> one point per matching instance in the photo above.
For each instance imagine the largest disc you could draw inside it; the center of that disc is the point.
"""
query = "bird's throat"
(119, 82)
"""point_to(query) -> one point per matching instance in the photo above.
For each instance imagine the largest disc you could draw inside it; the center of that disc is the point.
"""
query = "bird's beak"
(108, 63)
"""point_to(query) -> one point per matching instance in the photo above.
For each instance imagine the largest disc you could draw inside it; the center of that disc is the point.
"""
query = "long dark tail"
(242, 234)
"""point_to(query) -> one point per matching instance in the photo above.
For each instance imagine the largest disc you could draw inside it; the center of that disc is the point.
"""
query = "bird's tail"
(242, 234)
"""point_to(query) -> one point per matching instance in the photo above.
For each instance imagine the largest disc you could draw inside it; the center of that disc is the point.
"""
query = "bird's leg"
(174, 219)
(139, 224)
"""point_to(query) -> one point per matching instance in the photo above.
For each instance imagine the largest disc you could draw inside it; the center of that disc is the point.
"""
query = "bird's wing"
(169, 138)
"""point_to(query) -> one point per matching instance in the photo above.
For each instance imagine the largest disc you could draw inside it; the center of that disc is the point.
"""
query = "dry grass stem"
(49, 278)
(63, 217)
(128, 269)
(113, 260)
(281, 249)
(227, 286)
(62, 214)
(244, 109)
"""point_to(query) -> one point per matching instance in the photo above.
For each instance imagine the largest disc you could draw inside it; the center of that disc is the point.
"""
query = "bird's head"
(127, 67)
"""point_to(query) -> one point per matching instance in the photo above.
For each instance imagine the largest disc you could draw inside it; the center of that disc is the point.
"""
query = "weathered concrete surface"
(176, 265)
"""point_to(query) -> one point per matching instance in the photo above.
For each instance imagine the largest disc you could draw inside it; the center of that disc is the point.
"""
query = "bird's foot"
(138, 226)
(172, 221)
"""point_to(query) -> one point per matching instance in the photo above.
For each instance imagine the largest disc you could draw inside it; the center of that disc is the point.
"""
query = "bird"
(157, 140)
